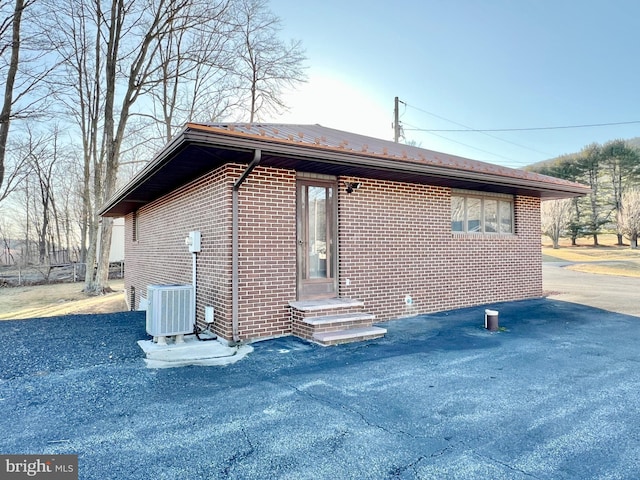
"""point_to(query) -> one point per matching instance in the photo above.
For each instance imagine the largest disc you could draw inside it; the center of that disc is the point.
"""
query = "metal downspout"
(235, 255)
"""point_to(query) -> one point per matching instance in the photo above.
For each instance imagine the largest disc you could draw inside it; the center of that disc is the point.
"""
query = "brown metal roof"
(200, 148)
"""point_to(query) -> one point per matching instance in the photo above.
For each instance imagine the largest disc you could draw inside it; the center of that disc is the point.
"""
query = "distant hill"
(633, 142)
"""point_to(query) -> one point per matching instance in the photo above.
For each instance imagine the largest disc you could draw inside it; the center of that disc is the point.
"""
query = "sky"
(470, 64)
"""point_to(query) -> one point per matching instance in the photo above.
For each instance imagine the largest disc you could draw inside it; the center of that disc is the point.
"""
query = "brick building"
(318, 233)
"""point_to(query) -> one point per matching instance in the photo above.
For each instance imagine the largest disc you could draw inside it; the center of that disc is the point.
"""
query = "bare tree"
(195, 67)
(44, 180)
(68, 202)
(79, 43)
(16, 168)
(182, 55)
(266, 64)
(43, 156)
(150, 23)
(42, 201)
(555, 218)
(6, 257)
(25, 64)
(630, 215)
(10, 23)
(622, 163)
(111, 50)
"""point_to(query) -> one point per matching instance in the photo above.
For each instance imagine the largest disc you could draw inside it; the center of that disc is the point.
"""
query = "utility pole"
(396, 121)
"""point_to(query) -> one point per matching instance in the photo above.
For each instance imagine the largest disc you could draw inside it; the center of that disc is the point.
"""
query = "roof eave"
(351, 158)
(163, 157)
(194, 135)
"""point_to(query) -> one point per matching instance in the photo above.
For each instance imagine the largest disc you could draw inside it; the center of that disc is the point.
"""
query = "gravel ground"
(551, 396)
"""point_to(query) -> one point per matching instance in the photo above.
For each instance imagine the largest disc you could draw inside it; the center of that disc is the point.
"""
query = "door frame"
(316, 288)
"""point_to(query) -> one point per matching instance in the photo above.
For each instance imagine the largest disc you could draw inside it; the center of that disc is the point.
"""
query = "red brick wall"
(395, 241)
(267, 275)
(267, 245)
(160, 255)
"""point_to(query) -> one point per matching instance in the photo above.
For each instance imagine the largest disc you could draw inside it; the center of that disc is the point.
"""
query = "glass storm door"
(316, 240)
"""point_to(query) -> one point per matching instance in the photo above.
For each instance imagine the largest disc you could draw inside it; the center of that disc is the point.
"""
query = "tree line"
(612, 171)
(92, 88)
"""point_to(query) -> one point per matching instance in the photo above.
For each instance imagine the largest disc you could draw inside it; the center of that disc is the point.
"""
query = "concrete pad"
(191, 352)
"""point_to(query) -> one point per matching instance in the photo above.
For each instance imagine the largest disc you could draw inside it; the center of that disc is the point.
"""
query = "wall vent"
(170, 310)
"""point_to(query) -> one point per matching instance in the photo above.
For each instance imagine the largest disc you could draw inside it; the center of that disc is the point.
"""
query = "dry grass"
(606, 259)
(58, 299)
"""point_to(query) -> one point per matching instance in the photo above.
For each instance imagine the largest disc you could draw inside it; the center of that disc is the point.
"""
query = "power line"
(470, 146)
(484, 130)
(468, 129)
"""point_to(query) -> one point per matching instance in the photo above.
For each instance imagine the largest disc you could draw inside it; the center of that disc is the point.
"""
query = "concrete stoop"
(333, 321)
(191, 352)
(349, 335)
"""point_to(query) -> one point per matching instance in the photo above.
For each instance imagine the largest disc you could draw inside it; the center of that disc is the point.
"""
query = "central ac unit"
(170, 310)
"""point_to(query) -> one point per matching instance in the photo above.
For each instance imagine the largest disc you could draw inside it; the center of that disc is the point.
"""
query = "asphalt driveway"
(609, 292)
(553, 396)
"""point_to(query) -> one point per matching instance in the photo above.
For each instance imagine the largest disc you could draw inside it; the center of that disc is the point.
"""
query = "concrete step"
(326, 304)
(341, 318)
(349, 335)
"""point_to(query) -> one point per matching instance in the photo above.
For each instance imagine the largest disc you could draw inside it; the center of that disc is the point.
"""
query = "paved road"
(553, 396)
(609, 292)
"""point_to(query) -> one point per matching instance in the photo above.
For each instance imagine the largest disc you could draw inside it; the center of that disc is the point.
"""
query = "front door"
(316, 230)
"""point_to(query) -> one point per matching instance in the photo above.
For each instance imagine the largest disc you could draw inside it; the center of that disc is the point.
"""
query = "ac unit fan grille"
(170, 310)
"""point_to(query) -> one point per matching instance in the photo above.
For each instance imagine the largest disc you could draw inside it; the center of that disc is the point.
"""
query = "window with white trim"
(477, 212)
